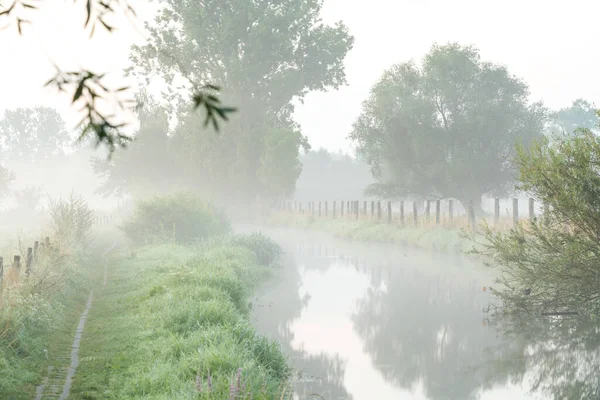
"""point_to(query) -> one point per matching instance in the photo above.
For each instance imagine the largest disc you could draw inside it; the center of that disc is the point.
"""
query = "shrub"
(267, 251)
(180, 217)
(71, 220)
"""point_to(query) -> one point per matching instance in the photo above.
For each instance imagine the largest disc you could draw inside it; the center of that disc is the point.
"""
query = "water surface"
(370, 321)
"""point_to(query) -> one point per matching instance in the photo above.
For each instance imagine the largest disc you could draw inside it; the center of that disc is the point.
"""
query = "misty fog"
(261, 199)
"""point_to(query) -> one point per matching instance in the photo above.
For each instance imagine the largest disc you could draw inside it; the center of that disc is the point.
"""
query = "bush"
(180, 217)
(551, 265)
(266, 250)
(71, 220)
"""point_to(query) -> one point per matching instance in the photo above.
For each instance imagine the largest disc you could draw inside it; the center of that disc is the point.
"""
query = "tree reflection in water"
(559, 355)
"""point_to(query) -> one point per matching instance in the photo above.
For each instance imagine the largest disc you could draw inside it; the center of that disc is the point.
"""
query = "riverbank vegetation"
(173, 323)
(38, 313)
(553, 267)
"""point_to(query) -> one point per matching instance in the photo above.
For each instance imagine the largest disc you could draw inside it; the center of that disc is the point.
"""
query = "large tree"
(33, 134)
(446, 128)
(265, 54)
(580, 114)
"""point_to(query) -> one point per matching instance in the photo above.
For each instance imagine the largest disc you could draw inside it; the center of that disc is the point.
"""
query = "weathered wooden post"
(326, 209)
(402, 212)
(379, 210)
(365, 208)
(348, 210)
(415, 216)
(342, 209)
(427, 211)
(437, 212)
(472, 219)
(450, 210)
(531, 209)
(333, 210)
(496, 211)
(515, 211)
(372, 209)
(319, 209)
(389, 212)
(36, 250)
(28, 261)
(17, 264)
(356, 208)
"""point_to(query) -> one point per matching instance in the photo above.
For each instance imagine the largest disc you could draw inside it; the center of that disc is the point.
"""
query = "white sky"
(551, 44)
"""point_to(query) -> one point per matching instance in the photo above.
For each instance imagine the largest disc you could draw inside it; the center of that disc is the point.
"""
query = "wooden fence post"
(365, 208)
(342, 209)
(389, 212)
(415, 217)
(531, 209)
(28, 261)
(319, 209)
(427, 211)
(496, 211)
(379, 210)
(451, 210)
(437, 212)
(402, 212)
(17, 263)
(333, 210)
(472, 219)
(515, 211)
(372, 209)
(326, 209)
(36, 250)
(356, 208)
(348, 210)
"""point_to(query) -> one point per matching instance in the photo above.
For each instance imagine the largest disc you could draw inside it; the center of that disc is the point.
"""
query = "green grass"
(174, 316)
(34, 331)
(433, 238)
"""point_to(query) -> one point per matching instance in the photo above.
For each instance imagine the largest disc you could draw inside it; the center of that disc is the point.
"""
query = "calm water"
(379, 322)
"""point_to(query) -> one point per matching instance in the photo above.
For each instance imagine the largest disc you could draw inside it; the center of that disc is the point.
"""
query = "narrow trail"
(57, 384)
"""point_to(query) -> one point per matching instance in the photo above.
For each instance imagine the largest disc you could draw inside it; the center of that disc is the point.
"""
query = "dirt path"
(57, 384)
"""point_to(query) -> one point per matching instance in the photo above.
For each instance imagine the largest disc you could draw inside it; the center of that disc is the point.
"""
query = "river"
(373, 321)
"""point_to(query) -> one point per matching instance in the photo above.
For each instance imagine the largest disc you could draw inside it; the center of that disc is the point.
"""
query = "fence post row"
(352, 208)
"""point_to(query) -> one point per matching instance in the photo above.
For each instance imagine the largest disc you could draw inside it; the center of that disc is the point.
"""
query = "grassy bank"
(172, 323)
(424, 236)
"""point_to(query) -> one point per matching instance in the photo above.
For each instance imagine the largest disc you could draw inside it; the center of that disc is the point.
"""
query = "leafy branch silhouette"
(88, 87)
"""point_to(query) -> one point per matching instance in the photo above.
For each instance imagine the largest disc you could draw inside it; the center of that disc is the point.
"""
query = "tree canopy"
(266, 54)
(30, 134)
(580, 114)
(448, 127)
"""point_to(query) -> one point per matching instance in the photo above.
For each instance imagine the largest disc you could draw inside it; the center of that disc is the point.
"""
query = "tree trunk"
(476, 199)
